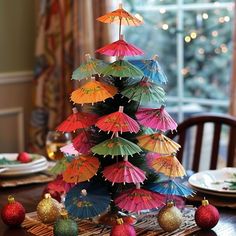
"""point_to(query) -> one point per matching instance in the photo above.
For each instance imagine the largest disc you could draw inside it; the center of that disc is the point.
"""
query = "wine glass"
(54, 141)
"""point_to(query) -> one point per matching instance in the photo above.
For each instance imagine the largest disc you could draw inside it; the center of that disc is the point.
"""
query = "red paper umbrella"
(81, 169)
(120, 48)
(77, 120)
(136, 200)
(118, 122)
(124, 172)
(157, 119)
(82, 142)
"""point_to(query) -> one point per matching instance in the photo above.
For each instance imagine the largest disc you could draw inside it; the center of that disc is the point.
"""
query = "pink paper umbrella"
(158, 119)
(118, 122)
(120, 48)
(124, 172)
(136, 200)
(69, 149)
(82, 142)
(77, 120)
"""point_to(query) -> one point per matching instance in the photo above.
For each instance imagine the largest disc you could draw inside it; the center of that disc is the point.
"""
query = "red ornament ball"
(122, 228)
(206, 216)
(13, 213)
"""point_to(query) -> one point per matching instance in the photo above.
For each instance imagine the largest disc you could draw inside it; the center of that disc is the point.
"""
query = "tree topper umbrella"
(89, 68)
(158, 143)
(120, 48)
(144, 92)
(86, 200)
(157, 119)
(136, 200)
(169, 166)
(92, 92)
(81, 169)
(124, 172)
(151, 69)
(122, 68)
(118, 122)
(77, 120)
(115, 147)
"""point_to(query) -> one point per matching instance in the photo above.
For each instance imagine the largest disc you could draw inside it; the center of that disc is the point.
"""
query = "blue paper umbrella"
(151, 69)
(171, 187)
(87, 200)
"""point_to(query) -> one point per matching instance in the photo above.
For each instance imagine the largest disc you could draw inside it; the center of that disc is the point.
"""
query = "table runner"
(146, 226)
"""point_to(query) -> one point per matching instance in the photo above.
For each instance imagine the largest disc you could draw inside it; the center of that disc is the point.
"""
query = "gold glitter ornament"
(48, 209)
(169, 217)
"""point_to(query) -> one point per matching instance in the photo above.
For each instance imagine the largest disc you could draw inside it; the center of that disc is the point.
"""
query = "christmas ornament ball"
(206, 216)
(169, 217)
(13, 213)
(48, 209)
(65, 226)
(122, 228)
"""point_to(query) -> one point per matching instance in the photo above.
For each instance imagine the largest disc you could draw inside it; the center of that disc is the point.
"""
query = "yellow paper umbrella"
(158, 143)
(168, 165)
(92, 92)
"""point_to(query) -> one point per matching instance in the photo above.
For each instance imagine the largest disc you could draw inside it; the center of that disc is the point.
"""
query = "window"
(193, 39)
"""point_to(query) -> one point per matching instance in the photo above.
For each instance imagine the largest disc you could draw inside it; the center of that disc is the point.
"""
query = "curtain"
(66, 30)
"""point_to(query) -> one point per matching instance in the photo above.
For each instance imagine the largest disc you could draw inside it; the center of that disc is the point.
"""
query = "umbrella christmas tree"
(108, 154)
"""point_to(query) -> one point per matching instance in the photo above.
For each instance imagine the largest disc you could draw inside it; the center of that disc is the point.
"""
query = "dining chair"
(191, 132)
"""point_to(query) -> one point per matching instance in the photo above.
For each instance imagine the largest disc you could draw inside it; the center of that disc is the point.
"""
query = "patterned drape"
(66, 30)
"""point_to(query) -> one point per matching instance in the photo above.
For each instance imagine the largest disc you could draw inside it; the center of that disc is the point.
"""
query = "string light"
(205, 16)
(165, 26)
(193, 35)
(214, 33)
(221, 19)
(226, 18)
(187, 39)
(217, 50)
(162, 10)
(185, 71)
(201, 51)
(213, 42)
(224, 48)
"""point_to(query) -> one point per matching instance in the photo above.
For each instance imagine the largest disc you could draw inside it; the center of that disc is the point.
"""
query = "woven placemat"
(146, 226)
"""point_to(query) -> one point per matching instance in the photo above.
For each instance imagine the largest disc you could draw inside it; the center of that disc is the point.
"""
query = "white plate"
(214, 181)
(13, 157)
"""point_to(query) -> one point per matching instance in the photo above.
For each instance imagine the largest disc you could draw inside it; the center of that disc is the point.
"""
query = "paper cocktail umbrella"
(158, 143)
(92, 92)
(82, 142)
(169, 166)
(77, 120)
(171, 187)
(136, 200)
(88, 69)
(151, 69)
(120, 16)
(120, 48)
(115, 147)
(118, 122)
(124, 172)
(87, 200)
(157, 119)
(81, 169)
(122, 68)
(150, 157)
(69, 149)
(59, 167)
(144, 92)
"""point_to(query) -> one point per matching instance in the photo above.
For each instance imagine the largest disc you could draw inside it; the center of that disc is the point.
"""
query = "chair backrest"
(200, 122)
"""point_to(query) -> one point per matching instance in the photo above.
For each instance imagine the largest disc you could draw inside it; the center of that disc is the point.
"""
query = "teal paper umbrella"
(90, 67)
(115, 147)
(144, 92)
(122, 68)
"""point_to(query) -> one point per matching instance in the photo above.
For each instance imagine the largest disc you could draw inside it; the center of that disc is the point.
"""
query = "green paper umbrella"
(59, 167)
(122, 68)
(115, 147)
(144, 92)
(90, 67)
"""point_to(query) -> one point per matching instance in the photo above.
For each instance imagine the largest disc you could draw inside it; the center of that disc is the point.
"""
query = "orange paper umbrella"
(168, 165)
(78, 120)
(120, 48)
(93, 91)
(158, 143)
(81, 169)
(120, 16)
(118, 122)
(124, 172)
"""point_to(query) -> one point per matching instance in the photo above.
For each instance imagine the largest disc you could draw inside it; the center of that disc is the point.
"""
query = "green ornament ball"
(65, 227)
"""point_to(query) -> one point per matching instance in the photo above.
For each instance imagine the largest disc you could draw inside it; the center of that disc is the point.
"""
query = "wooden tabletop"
(30, 195)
